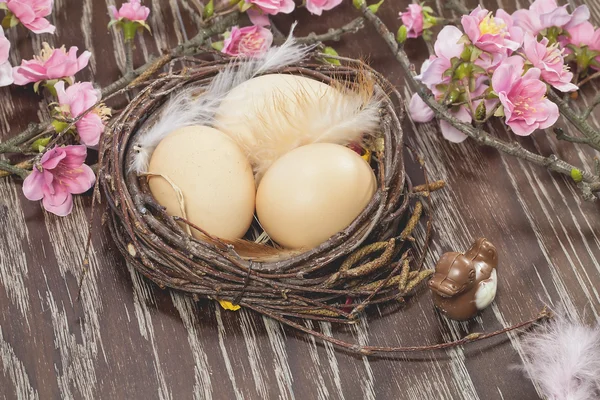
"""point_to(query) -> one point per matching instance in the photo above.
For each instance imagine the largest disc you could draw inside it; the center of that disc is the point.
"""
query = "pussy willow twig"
(590, 184)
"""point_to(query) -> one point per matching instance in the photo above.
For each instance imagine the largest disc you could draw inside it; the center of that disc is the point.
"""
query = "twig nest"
(313, 192)
(281, 283)
(200, 174)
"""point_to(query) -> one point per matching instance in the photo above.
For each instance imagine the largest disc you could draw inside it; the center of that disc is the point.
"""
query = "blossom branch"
(592, 135)
(333, 34)
(590, 109)
(9, 169)
(590, 182)
(589, 78)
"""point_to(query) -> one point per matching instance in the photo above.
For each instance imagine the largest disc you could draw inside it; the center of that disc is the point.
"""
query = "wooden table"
(128, 339)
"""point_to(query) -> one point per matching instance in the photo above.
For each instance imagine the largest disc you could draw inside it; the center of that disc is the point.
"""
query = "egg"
(312, 193)
(214, 176)
(269, 100)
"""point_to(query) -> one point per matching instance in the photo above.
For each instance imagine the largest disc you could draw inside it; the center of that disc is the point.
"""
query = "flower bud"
(358, 3)
(481, 112)
(331, 51)
(453, 96)
(40, 144)
(209, 10)
(375, 7)
(402, 34)
(576, 175)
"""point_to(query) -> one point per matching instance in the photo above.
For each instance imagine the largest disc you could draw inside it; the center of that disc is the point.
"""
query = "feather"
(563, 359)
(297, 114)
(198, 105)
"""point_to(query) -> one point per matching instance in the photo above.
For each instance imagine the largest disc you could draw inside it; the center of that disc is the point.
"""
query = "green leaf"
(464, 70)
(429, 21)
(464, 39)
(402, 34)
(499, 112)
(475, 53)
(59, 126)
(40, 144)
(209, 10)
(375, 7)
(217, 45)
(358, 3)
(49, 85)
(331, 51)
(466, 53)
(576, 175)
(427, 9)
(244, 6)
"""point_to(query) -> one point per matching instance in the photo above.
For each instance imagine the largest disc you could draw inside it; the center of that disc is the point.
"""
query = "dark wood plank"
(128, 339)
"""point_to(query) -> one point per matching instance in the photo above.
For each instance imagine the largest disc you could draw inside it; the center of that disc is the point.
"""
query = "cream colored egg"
(313, 192)
(279, 100)
(214, 177)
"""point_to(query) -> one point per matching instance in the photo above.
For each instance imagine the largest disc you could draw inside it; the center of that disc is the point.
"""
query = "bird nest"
(374, 260)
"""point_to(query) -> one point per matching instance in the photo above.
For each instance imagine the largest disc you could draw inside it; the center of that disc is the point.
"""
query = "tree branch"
(8, 169)
(552, 162)
(574, 118)
(333, 34)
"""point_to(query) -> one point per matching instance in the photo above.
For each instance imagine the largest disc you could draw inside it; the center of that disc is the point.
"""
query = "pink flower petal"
(62, 209)
(90, 128)
(451, 133)
(33, 186)
(419, 110)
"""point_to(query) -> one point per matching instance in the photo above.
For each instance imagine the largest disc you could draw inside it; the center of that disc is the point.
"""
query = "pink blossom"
(77, 99)
(413, 20)
(584, 34)
(273, 7)
(257, 17)
(249, 41)
(60, 174)
(32, 13)
(419, 110)
(318, 6)
(492, 34)
(550, 61)
(133, 10)
(446, 47)
(51, 64)
(430, 72)
(524, 97)
(6, 74)
(543, 14)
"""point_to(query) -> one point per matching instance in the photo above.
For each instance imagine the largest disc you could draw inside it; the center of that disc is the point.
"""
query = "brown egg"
(313, 192)
(214, 177)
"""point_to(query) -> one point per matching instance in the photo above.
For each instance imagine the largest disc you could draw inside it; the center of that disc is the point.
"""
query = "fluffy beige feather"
(290, 119)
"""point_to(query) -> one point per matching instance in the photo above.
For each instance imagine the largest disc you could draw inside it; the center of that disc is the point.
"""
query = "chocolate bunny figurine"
(464, 284)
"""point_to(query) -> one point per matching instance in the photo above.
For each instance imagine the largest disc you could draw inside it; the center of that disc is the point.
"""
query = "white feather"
(197, 106)
(563, 358)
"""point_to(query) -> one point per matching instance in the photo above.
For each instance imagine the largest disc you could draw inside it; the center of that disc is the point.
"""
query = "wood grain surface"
(127, 339)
